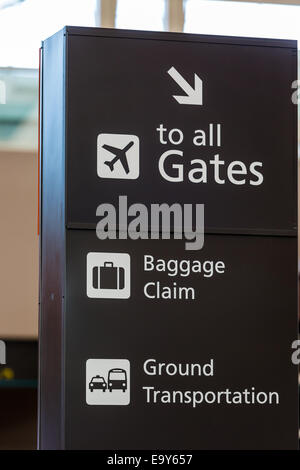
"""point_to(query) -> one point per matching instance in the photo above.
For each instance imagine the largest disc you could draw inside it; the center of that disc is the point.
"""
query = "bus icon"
(107, 382)
(117, 380)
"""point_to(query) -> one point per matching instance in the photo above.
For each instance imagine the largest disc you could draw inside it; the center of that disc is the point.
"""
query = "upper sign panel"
(173, 118)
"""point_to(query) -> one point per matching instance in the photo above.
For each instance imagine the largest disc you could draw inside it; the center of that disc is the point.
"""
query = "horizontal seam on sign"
(211, 231)
(292, 48)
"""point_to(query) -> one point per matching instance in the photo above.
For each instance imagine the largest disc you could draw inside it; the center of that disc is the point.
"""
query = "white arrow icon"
(194, 95)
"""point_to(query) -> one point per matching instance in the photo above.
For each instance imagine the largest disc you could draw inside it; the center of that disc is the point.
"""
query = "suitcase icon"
(108, 277)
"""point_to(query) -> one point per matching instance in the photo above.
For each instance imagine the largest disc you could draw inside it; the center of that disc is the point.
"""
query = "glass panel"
(140, 14)
(19, 114)
(24, 25)
(242, 19)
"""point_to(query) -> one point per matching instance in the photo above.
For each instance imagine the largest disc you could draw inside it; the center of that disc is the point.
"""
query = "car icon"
(117, 380)
(97, 383)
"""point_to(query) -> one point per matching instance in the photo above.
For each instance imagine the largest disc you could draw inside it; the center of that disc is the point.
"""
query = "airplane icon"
(120, 155)
(114, 148)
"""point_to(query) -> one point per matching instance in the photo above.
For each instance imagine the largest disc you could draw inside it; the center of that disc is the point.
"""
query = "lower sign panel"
(180, 349)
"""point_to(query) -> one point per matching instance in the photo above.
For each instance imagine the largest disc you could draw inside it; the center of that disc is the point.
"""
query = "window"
(24, 25)
(140, 14)
(242, 19)
(19, 114)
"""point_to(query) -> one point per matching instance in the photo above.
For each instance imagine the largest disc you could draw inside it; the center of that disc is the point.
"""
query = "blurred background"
(23, 25)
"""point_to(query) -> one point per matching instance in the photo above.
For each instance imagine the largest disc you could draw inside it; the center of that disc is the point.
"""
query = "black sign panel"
(147, 342)
(230, 142)
(237, 325)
